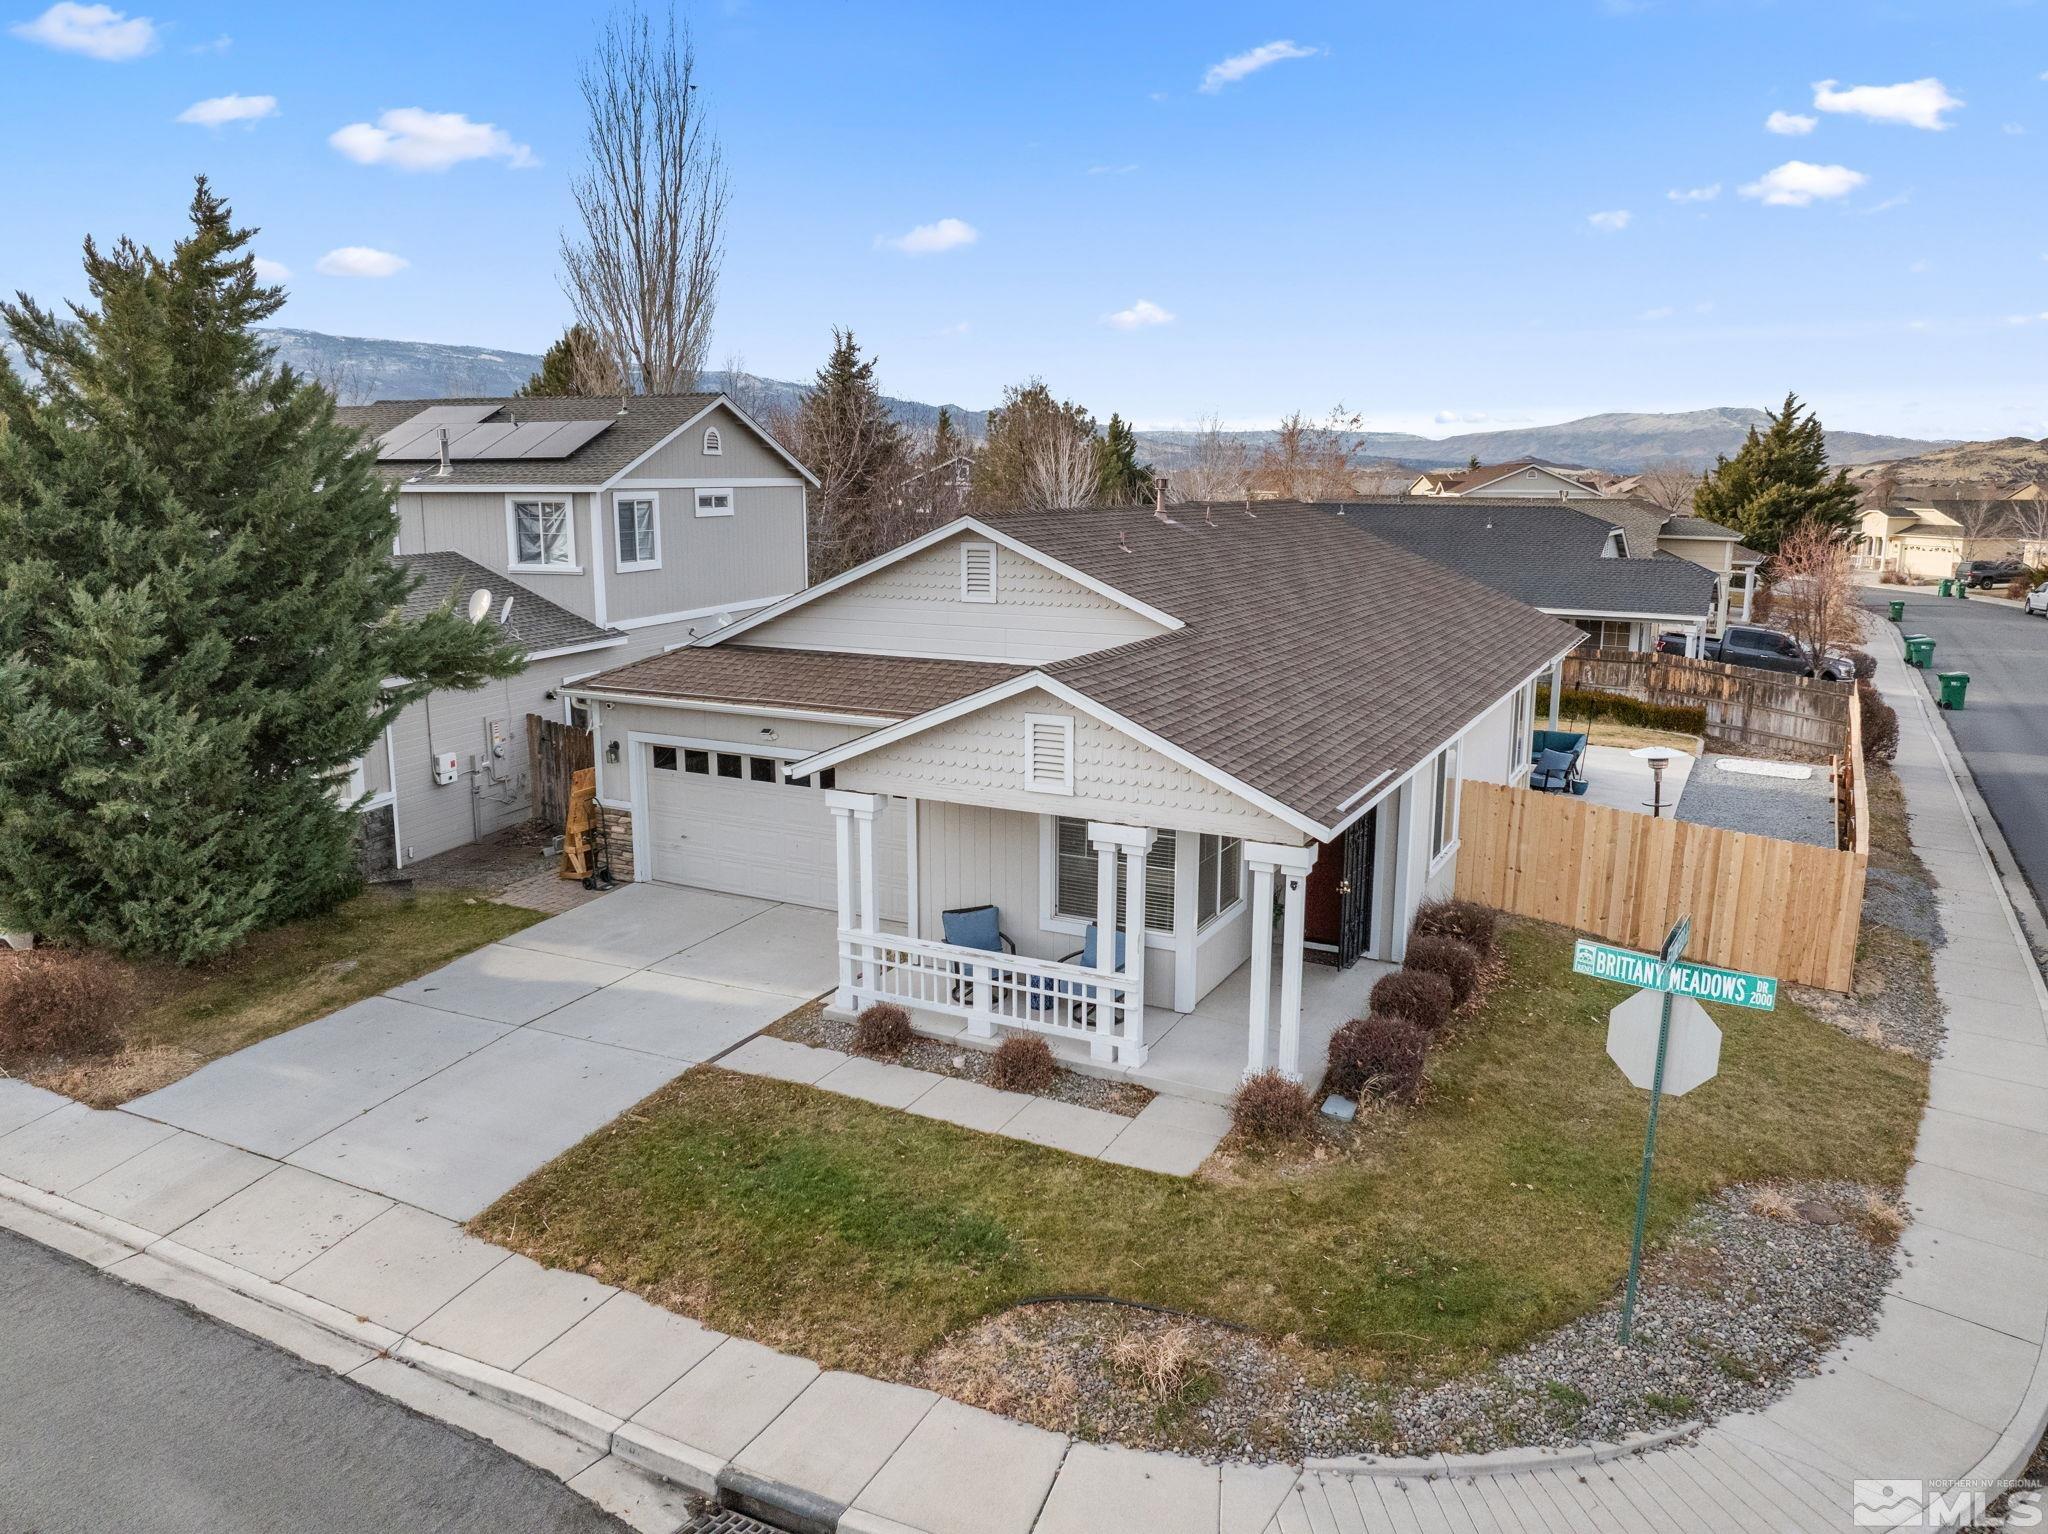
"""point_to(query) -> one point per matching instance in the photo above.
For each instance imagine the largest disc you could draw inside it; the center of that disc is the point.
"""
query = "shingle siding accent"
(982, 757)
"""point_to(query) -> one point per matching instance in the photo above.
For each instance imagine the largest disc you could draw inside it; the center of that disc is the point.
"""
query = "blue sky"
(1175, 210)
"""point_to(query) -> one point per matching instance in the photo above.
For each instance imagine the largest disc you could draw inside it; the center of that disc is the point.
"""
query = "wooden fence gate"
(1745, 707)
(556, 752)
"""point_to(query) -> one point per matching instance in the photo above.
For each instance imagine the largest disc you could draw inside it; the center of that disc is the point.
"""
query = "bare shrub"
(107, 1081)
(1468, 921)
(1882, 1220)
(1415, 996)
(2017, 588)
(1880, 725)
(1269, 1107)
(1023, 1063)
(1448, 957)
(1162, 1360)
(1771, 1204)
(1377, 1056)
(882, 1032)
(54, 1002)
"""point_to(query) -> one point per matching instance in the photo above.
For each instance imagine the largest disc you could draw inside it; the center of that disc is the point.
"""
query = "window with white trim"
(1075, 869)
(977, 572)
(1049, 753)
(1518, 732)
(1443, 802)
(1219, 877)
(714, 503)
(714, 445)
(637, 520)
(543, 535)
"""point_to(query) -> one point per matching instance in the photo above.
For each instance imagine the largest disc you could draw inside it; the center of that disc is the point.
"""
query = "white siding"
(614, 723)
(979, 758)
(914, 607)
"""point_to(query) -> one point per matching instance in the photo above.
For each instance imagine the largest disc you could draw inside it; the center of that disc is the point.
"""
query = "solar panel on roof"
(575, 435)
(401, 442)
(419, 439)
(479, 441)
(525, 438)
(453, 415)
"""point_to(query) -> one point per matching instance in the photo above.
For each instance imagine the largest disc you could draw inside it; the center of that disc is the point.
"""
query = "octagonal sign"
(1692, 1056)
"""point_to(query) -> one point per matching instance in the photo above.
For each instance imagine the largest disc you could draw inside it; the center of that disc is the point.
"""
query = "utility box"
(499, 733)
(445, 771)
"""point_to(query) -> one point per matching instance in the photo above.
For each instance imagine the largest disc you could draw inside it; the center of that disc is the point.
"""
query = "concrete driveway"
(446, 1091)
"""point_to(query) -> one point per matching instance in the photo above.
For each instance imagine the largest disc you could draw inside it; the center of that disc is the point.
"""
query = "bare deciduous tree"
(2030, 523)
(1309, 460)
(1218, 468)
(1979, 524)
(1813, 589)
(1668, 486)
(1061, 469)
(643, 276)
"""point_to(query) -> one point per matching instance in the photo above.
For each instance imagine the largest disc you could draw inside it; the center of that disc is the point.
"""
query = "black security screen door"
(1354, 928)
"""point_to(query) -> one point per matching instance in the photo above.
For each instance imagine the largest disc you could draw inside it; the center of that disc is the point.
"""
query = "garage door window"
(761, 769)
(665, 758)
(728, 764)
(826, 779)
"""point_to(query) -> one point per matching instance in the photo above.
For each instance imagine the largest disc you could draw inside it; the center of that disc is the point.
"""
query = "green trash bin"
(1898, 610)
(1948, 588)
(1919, 651)
(1953, 685)
(1962, 588)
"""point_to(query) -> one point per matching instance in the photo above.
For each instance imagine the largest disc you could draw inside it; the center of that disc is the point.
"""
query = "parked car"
(1673, 642)
(1983, 574)
(2037, 601)
(1743, 644)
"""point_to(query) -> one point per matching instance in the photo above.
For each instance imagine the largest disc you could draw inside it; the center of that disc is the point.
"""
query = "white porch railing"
(987, 989)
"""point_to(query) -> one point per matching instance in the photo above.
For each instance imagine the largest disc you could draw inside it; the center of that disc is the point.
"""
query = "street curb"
(670, 1458)
(2006, 1461)
(546, 1405)
(1502, 1461)
(786, 1506)
(278, 1296)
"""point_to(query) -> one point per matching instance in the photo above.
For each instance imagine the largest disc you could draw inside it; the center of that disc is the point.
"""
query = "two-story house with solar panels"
(594, 532)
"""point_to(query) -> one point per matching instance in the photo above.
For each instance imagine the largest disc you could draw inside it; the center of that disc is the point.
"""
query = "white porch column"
(847, 809)
(1556, 689)
(1291, 864)
(1133, 842)
(1131, 1050)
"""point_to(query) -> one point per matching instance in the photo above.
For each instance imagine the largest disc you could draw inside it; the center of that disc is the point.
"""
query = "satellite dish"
(479, 604)
(505, 613)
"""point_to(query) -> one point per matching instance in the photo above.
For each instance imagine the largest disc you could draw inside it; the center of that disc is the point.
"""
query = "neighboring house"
(611, 528)
(939, 489)
(1721, 550)
(1568, 559)
(1520, 476)
(1163, 726)
(1924, 540)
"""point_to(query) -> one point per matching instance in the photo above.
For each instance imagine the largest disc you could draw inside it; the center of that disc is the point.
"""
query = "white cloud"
(1251, 61)
(1797, 183)
(411, 138)
(958, 328)
(1921, 265)
(1661, 312)
(1916, 103)
(1613, 221)
(1460, 417)
(272, 271)
(217, 111)
(1791, 124)
(360, 261)
(930, 239)
(220, 44)
(1141, 314)
(1694, 193)
(97, 31)
(1111, 170)
(2014, 130)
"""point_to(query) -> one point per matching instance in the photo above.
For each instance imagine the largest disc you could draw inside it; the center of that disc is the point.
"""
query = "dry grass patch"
(1429, 1241)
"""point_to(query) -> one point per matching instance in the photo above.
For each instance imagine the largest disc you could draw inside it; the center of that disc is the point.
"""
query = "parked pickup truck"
(1983, 574)
(1744, 644)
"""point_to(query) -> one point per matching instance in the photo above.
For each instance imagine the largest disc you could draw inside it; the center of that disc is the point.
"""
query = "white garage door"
(727, 820)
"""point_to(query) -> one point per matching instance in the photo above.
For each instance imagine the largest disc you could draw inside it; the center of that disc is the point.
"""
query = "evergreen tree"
(1778, 481)
(1019, 431)
(574, 365)
(846, 436)
(1120, 478)
(198, 611)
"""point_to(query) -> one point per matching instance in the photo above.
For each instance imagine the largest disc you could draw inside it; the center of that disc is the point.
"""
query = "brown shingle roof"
(639, 422)
(882, 686)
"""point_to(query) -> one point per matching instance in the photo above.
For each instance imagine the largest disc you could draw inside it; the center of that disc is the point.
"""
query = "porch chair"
(1047, 993)
(974, 926)
(1556, 757)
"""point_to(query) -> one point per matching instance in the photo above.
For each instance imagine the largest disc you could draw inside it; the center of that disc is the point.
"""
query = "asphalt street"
(2002, 728)
(121, 1410)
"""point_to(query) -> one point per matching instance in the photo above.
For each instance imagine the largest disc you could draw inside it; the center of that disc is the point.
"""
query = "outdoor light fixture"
(611, 751)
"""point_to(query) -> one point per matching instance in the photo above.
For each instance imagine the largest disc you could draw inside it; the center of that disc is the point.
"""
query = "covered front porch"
(1189, 964)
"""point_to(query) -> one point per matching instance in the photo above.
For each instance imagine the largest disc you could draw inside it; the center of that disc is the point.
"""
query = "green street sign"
(1731, 987)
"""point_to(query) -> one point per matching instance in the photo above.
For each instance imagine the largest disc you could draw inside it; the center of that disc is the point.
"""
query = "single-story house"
(1169, 754)
(600, 531)
(1565, 558)
(1518, 476)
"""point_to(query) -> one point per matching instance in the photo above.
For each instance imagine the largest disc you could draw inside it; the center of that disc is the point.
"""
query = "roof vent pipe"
(442, 434)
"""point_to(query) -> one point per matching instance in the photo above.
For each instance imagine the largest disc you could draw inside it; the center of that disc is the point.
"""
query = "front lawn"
(1496, 1212)
(278, 980)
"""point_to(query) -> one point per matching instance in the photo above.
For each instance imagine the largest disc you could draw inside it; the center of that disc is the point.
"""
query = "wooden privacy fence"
(1757, 903)
(556, 753)
(1761, 710)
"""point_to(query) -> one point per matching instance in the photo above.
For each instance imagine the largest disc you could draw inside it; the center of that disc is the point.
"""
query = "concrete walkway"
(595, 1384)
(1171, 1135)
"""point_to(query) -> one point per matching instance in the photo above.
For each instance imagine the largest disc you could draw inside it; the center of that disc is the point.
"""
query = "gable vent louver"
(1049, 753)
(977, 572)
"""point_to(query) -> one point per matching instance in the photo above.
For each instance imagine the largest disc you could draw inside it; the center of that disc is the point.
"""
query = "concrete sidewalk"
(595, 1384)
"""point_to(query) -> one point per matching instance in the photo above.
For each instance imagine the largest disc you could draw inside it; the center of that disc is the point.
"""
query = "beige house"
(1925, 540)
(1520, 476)
(593, 531)
(1175, 759)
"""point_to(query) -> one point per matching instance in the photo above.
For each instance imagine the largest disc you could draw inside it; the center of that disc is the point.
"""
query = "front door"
(1338, 907)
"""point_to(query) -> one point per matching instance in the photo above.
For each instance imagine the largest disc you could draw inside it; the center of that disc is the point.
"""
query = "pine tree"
(197, 611)
(1779, 481)
(1020, 431)
(574, 365)
(846, 436)
(1120, 478)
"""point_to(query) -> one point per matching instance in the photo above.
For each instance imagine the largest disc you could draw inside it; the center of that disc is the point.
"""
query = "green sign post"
(1664, 971)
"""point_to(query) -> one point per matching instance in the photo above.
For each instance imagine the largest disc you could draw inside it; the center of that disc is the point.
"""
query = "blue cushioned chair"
(974, 926)
(1550, 774)
(1047, 993)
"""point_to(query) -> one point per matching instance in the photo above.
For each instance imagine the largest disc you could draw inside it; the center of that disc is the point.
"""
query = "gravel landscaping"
(811, 1026)
(1790, 809)
(1745, 1298)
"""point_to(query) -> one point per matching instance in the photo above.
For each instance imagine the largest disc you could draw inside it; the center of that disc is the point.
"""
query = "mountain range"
(359, 369)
